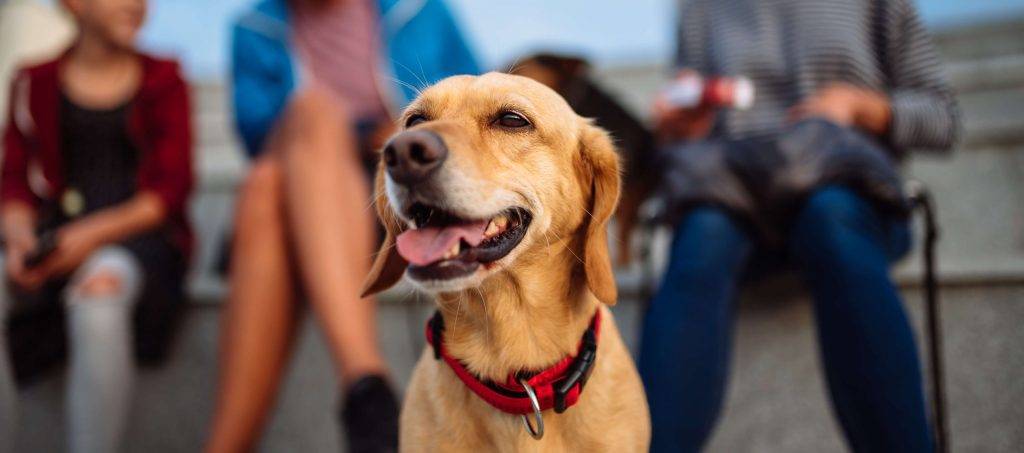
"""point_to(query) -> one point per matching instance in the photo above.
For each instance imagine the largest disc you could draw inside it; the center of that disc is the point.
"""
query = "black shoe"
(370, 416)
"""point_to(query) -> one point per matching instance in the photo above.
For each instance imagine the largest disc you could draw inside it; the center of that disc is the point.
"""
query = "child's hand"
(682, 124)
(17, 248)
(673, 123)
(75, 242)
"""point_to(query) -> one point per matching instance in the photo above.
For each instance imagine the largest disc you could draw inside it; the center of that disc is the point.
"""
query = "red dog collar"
(557, 387)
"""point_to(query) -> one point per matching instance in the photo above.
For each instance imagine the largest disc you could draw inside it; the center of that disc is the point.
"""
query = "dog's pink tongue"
(427, 245)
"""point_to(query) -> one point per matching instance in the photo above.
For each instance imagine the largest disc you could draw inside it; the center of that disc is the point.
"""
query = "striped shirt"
(792, 48)
(340, 47)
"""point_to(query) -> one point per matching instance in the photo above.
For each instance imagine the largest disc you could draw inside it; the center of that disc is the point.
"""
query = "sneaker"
(370, 416)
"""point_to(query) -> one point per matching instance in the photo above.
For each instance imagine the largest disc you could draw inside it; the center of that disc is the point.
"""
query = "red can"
(691, 90)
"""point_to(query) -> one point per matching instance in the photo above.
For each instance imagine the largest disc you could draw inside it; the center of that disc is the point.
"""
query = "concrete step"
(985, 74)
(992, 118)
(219, 167)
(776, 398)
(979, 208)
(982, 40)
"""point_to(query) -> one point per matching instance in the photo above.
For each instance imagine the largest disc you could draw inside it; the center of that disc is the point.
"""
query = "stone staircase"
(977, 181)
(776, 399)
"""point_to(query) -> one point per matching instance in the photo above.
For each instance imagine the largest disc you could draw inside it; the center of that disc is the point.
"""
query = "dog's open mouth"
(445, 246)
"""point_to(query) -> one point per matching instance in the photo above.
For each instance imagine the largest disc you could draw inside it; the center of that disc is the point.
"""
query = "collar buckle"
(579, 371)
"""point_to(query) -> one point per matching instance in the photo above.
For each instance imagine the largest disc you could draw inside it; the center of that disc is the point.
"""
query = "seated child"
(96, 175)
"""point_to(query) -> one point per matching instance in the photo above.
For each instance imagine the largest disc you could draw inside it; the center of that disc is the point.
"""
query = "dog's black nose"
(412, 156)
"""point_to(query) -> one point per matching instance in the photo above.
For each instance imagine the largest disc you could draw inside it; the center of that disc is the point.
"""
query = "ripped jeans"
(100, 371)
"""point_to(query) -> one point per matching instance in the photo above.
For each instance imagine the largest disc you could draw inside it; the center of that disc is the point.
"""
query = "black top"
(100, 160)
(100, 164)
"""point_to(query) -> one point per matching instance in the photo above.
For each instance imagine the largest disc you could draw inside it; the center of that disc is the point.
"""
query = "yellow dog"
(497, 200)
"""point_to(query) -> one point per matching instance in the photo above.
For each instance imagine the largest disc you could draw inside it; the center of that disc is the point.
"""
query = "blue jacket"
(422, 44)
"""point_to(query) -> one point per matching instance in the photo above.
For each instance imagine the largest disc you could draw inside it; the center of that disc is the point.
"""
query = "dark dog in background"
(570, 76)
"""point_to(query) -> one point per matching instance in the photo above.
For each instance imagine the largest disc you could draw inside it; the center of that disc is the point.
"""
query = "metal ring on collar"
(537, 432)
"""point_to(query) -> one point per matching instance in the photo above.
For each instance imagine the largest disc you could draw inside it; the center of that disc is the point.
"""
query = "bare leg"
(326, 195)
(308, 192)
(259, 320)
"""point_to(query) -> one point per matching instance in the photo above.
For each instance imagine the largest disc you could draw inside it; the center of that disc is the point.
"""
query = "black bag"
(763, 181)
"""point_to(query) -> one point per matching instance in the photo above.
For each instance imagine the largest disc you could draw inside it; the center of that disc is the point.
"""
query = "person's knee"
(263, 182)
(832, 205)
(314, 119)
(315, 106)
(111, 274)
(260, 193)
(259, 210)
(827, 223)
(102, 284)
(98, 307)
(709, 221)
(705, 237)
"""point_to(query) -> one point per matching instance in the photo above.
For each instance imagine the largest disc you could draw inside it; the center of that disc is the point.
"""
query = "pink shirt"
(340, 49)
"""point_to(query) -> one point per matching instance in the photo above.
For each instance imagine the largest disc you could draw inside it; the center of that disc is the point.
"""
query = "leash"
(557, 387)
(920, 197)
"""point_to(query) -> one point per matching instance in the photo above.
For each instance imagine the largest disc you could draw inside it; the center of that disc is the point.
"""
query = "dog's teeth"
(500, 221)
(492, 230)
(453, 252)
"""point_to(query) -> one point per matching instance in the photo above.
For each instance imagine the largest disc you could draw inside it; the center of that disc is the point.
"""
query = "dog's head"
(486, 170)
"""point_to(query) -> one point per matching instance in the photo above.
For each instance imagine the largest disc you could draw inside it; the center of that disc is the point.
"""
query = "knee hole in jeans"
(103, 283)
(109, 273)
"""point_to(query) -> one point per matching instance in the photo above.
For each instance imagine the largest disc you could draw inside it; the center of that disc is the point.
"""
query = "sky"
(607, 31)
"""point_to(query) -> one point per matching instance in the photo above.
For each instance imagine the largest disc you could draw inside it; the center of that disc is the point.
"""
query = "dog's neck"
(524, 319)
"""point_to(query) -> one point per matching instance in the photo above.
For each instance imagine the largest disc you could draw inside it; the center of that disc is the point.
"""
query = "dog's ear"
(388, 265)
(601, 160)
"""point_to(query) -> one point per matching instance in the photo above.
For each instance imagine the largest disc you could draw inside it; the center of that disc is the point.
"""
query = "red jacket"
(158, 122)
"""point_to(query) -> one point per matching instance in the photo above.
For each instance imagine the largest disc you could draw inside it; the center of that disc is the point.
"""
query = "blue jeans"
(842, 248)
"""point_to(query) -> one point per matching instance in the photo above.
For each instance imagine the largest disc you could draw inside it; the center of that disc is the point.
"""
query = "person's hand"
(18, 246)
(75, 242)
(846, 105)
(672, 123)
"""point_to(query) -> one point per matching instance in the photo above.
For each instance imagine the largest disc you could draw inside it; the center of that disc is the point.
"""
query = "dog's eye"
(512, 120)
(414, 120)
